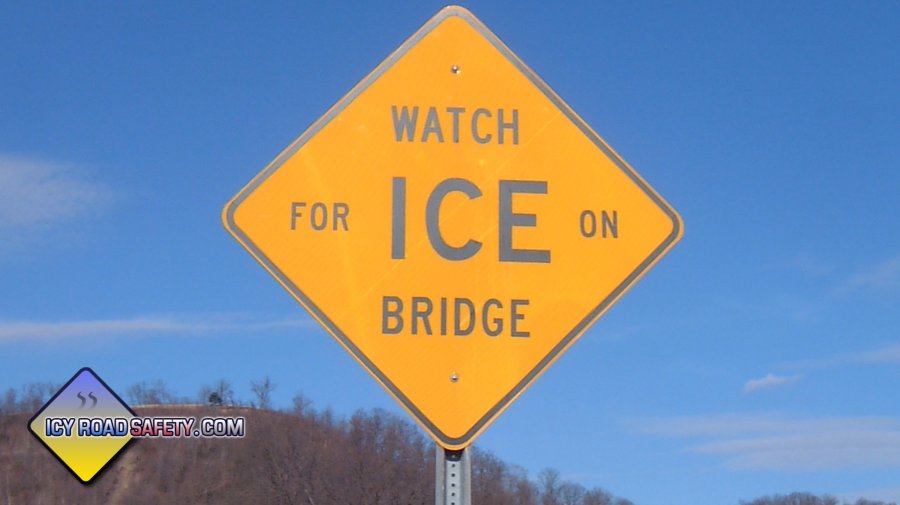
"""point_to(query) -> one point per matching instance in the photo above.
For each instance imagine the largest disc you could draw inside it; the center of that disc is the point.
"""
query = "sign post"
(453, 476)
(454, 225)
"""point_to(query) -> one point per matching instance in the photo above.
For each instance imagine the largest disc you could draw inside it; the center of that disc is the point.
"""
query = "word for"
(458, 317)
(319, 217)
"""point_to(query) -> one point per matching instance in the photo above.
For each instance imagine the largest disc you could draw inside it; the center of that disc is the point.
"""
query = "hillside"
(285, 458)
(300, 457)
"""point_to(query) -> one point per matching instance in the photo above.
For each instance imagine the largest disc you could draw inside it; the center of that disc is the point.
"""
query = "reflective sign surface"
(453, 224)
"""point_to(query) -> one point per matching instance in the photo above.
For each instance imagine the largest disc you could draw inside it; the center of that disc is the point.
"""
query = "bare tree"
(487, 473)
(794, 499)
(522, 489)
(571, 493)
(35, 395)
(9, 405)
(150, 393)
(263, 392)
(549, 483)
(302, 404)
(219, 393)
(597, 497)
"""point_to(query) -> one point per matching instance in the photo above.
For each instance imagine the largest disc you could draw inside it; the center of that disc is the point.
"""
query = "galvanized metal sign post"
(454, 225)
(453, 476)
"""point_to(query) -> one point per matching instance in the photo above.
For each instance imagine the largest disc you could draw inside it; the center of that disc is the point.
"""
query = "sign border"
(444, 440)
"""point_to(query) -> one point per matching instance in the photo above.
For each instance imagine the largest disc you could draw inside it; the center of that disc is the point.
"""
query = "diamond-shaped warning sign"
(79, 425)
(453, 224)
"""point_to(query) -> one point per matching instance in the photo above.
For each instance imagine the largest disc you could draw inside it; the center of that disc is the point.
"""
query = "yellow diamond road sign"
(453, 224)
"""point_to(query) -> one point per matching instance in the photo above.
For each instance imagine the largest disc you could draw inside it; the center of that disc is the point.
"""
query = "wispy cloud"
(883, 276)
(38, 197)
(773, 442)
(803, 262)
(768, 382)
(825, 290)
(884, 355)
(139, 326)
(40, 193)
(811, 265)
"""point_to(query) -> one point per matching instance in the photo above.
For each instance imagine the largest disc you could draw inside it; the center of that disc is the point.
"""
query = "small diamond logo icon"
(85, 425)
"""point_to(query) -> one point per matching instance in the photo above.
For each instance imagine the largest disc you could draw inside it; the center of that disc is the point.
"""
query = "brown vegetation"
(301, 457)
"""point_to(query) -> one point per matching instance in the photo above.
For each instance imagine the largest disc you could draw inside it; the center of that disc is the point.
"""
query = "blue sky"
(760, 356)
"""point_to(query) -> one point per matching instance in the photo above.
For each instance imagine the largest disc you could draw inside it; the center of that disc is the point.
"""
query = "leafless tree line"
(808, 499)
(301, 456)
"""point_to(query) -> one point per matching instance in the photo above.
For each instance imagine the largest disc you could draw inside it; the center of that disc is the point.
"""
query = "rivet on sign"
(455, 69)
(454, 377)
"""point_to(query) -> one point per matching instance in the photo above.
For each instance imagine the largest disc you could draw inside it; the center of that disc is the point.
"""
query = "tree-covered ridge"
(297, 456)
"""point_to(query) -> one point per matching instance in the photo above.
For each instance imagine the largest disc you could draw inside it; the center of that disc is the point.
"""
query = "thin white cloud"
(772, 442)
(883, 276)
(42, 193)
(885, 355)
(812, 265)
(41, 200)
(147, 326)
(815, 364)
(723, 425)
(803, 262)
(768, 382)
